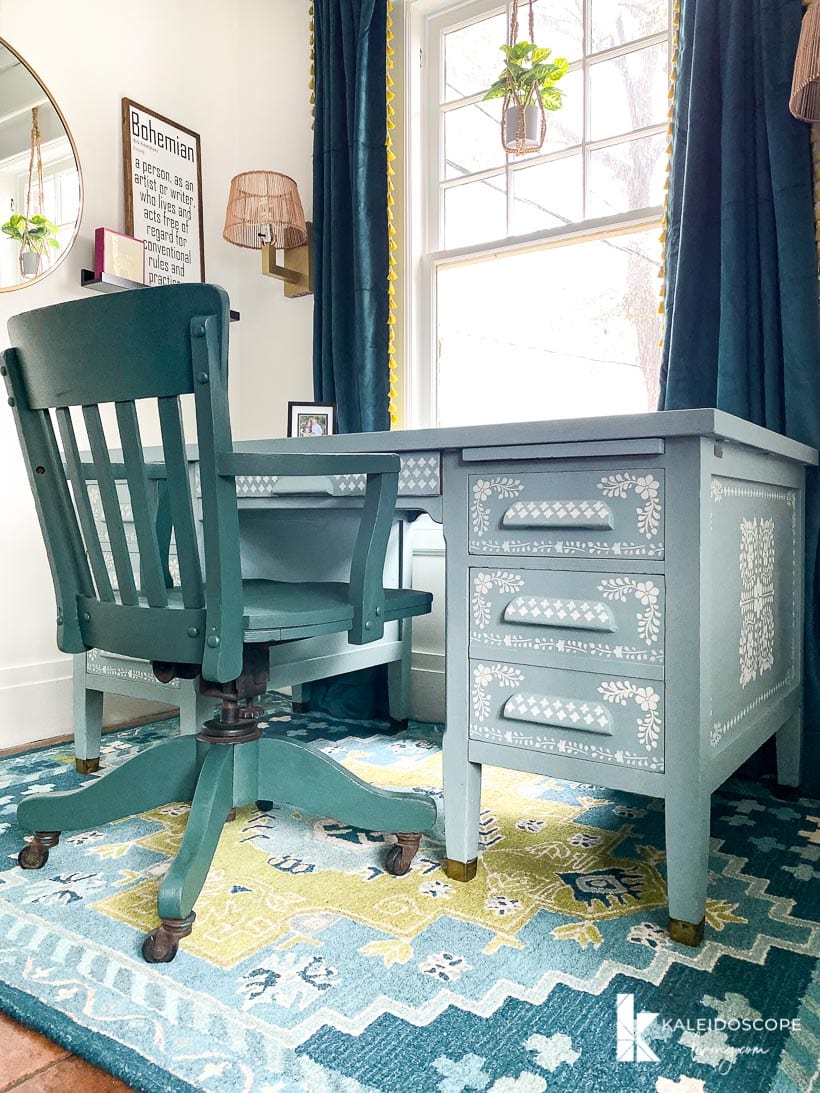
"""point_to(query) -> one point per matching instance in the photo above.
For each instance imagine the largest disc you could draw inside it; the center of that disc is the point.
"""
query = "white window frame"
(422, 29)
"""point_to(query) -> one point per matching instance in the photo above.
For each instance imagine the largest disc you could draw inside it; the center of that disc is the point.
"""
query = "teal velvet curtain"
(350, 332)
(741, 289)
(350, 254)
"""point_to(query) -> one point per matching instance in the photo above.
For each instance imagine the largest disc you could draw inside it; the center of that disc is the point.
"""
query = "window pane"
(629, 92)
(472, 139)
(565, 127)
(472, 57)
(614, 24)
(547, 195)
(559, 25)
(627, 176)
(560, 332)
(475, 212)
(69, 197)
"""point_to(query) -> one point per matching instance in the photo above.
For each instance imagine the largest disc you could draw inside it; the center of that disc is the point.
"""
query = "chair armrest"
(233, 464)
(367, 564)
(152, 470)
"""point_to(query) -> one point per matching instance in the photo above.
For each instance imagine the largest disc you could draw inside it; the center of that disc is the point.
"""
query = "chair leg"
(212, 799)
(292, 774)
(162, 773)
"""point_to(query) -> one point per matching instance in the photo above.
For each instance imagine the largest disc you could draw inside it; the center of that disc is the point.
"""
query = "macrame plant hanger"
(35, 163)
(514, 137)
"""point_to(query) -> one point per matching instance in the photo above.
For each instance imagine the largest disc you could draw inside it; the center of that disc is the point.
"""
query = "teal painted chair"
(160, 344)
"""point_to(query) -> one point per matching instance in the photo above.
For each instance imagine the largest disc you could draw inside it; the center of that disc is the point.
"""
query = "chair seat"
(281, 609)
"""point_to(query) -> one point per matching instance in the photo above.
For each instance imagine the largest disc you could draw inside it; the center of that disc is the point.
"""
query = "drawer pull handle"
(561, 614)
(558, 514)
(558, 713)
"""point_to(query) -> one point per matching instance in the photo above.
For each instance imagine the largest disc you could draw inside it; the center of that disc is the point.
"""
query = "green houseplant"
(35, 234)
(527, 85)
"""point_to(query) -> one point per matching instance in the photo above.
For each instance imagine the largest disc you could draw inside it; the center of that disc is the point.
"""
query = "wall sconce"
(264, 213)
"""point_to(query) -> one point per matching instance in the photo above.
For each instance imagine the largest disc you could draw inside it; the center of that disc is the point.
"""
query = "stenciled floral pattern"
(483, 490)
(648, 700)
(647, 594)
(757, 565)
(647, 487)
(483, 676)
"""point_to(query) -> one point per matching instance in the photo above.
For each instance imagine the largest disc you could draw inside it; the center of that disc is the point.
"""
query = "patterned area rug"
(310, 968)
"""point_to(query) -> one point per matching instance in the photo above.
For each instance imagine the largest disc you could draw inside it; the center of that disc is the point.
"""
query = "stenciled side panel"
(756, 602)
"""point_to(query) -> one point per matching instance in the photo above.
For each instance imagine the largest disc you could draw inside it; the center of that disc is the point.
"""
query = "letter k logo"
(631, 1046)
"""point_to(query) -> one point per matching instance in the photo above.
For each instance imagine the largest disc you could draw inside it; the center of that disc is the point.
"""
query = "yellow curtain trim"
(312, 82)
(815, 159)
(673, 75)
(393, 265)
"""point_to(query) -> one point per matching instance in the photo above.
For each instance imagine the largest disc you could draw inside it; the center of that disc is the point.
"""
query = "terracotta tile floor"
(33, 1064)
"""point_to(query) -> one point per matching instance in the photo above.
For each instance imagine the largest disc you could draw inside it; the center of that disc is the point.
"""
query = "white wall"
(237, 74)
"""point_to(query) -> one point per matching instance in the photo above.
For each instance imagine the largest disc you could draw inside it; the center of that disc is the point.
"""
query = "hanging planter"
(34, 232)
(527, 86)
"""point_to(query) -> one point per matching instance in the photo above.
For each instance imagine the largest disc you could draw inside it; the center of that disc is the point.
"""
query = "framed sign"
(162, 168)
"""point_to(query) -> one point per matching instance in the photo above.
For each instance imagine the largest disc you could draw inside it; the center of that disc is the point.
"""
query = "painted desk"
(624, 607)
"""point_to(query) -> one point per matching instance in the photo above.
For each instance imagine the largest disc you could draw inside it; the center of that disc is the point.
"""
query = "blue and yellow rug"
(310, 968)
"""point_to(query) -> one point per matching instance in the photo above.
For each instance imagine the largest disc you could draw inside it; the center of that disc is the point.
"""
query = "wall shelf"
(108, 282)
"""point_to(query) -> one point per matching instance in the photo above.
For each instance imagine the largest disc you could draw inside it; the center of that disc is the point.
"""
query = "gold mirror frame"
(67, 249)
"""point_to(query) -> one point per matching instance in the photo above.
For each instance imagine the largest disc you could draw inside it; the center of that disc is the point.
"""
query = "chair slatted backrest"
(118, 349)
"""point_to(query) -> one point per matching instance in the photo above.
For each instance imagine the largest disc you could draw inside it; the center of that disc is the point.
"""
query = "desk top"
(665, 423)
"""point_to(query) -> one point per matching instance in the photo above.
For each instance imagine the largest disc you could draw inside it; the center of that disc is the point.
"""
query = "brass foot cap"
(686, 933)
(460, 870)
(87, 766)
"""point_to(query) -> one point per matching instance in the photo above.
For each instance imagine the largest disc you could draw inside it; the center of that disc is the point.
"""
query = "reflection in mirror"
(40, 184)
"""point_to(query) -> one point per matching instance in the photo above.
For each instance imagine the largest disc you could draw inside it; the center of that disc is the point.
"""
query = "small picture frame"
(311, 418)
(119, 254)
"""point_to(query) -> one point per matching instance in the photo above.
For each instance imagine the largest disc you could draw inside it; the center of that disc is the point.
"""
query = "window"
(538, 274)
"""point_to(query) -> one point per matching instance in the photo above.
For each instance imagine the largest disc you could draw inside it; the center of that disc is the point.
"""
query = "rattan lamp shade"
(264, 207)
(804, 101)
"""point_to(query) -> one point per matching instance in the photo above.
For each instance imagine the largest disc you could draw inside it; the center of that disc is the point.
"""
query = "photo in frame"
(311, 418)
(162, 169)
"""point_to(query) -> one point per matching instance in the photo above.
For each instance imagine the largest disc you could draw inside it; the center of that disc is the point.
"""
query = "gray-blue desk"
(624, 603)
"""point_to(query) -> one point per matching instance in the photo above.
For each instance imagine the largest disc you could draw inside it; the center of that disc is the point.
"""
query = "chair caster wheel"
(32, 856)
(264, 806)
(159, 947)
(400, 856)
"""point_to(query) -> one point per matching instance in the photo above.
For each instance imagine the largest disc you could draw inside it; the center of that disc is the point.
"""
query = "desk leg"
(88, 715)
(462, 804)
(687, 858)
(398, 679)
(789, 740)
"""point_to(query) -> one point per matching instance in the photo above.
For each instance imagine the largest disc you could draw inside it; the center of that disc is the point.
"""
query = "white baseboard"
(35, 699)
(427, 687)
(35, 702)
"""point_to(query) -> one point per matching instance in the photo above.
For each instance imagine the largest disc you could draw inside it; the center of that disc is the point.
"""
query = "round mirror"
(40, 182)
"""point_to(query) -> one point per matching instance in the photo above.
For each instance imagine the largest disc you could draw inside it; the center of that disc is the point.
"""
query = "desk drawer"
(600, 718)
(572, 514)
(419, 476)
(568, 618)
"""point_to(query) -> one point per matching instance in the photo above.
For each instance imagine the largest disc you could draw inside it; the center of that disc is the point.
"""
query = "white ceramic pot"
(30, 262)
(532, 126)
